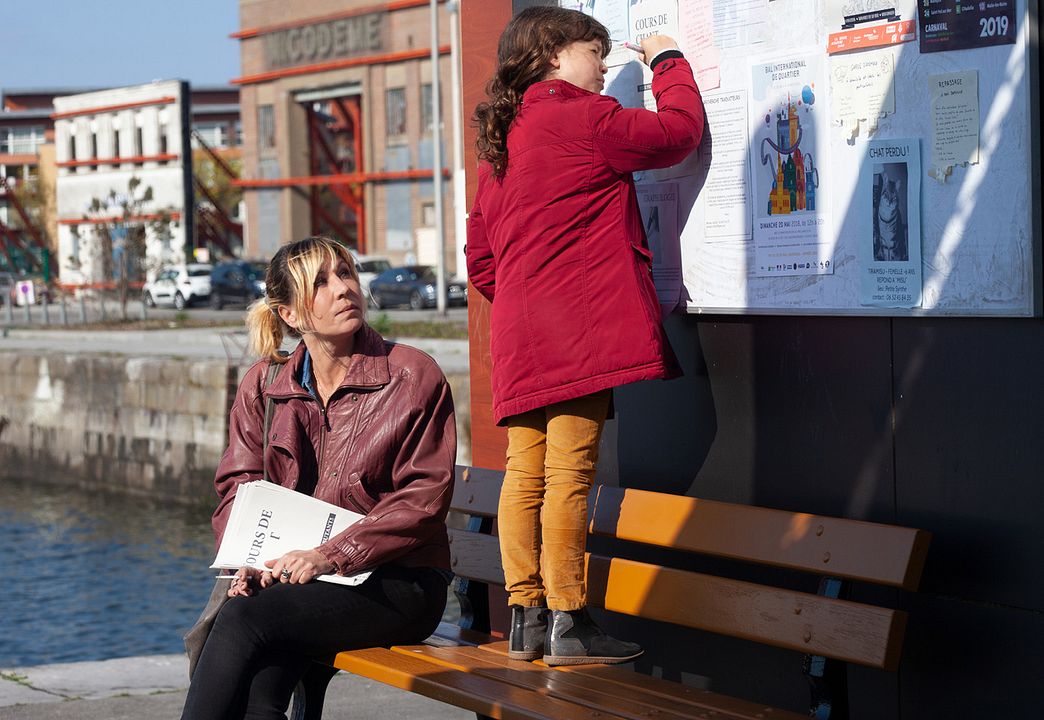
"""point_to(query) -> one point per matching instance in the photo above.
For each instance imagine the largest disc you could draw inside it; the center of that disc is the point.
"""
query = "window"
(21, 140)
(72, 146)
(212, 133)
(428, 214)
(162, 140)
(139, 143)
(395, 115)
(266, 136)
(426, 124)
(115, 143)
(425, 108)
(94, 146)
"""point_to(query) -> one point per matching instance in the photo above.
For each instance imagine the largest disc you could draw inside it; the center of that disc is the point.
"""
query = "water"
(92, 576)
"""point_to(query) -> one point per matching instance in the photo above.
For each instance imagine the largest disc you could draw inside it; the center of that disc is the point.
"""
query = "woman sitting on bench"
(359, 422)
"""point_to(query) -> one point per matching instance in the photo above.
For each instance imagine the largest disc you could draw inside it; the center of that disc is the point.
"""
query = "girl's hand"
(246, 582)
(654, 44)
(298, 567)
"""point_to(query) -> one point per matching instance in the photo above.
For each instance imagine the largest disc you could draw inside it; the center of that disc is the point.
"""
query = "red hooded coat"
(557, 244)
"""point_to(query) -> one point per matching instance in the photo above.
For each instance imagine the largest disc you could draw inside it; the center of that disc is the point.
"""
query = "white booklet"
(269, 520)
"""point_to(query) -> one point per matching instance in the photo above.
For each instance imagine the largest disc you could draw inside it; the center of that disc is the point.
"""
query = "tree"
(122, 225)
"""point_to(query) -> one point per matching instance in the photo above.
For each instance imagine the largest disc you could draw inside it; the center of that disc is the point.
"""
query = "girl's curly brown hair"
(527, 46)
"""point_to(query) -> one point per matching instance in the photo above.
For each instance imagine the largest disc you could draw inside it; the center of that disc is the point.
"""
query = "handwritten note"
(696, 40)
(955, 121)
(863, 91)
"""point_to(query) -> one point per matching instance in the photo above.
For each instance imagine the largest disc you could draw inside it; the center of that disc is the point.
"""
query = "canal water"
(92, 576)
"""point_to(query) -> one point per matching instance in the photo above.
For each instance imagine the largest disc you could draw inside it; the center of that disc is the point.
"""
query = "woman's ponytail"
(265, 331)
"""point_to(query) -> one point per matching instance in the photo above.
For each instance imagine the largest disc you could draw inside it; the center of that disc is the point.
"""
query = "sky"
(109, 43)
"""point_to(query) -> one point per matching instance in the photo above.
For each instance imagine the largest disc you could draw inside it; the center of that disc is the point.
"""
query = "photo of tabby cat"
(890, 236)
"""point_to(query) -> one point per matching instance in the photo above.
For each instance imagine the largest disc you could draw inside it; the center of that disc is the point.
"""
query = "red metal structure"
(11, 237)
(214, 223)
(335, 148)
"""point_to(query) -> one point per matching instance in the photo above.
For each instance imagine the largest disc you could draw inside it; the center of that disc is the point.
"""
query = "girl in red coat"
(556, 243)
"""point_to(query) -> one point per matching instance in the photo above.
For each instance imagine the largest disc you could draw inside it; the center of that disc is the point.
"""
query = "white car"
(179, 286)
(369, 267)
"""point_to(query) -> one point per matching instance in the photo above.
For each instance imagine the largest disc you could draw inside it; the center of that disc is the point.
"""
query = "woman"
(556, 243)
(359, 422)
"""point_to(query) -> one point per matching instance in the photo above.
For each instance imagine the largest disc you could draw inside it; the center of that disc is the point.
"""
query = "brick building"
(335, 99)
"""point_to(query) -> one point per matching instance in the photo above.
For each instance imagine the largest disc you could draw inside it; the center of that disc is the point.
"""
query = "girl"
(555, 242)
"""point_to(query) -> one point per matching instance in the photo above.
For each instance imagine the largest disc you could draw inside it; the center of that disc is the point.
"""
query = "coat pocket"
(646, 289)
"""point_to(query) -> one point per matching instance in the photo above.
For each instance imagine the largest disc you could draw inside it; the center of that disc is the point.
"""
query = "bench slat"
(849, 631)
(475, 556)
(854, 549)
(840, 629)
(655, 692)
(545, 681)
(496, 699)
(476, 491)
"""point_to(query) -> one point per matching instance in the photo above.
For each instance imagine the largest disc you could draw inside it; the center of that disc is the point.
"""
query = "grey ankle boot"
(574, 639)
(528, 630)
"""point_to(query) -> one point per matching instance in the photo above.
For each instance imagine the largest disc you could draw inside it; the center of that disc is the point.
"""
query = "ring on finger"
(285, 574)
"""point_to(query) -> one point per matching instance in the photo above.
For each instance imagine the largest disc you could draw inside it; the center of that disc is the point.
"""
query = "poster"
(862, 91)
(726, 192)
(955, 121)
(890, 200)
(659, 206)
(738, 23)
(960, 25)
(696, 41)
(863, 24)
(789, 116)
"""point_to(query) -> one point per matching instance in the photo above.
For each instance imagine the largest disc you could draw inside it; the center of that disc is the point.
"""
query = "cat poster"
(890, 246)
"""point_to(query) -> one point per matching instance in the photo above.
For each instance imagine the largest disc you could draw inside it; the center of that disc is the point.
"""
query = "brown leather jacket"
(385, 447)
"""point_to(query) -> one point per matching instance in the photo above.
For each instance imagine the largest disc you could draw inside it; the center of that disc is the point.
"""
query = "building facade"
(338, 129)
(124, 162)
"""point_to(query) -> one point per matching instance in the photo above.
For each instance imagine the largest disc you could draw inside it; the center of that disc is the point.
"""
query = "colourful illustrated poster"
(790, 121)
(862, 24)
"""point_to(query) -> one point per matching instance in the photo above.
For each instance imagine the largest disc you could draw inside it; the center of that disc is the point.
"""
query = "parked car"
(180, 286)
(413, 285)
(369, 267)
(237, 282)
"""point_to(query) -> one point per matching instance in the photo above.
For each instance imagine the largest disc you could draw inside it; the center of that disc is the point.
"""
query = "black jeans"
(260, 646)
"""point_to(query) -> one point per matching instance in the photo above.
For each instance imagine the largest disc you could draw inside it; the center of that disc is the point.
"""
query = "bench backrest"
(825, 546)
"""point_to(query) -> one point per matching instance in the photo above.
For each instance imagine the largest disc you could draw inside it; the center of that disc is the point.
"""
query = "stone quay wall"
(141, 425)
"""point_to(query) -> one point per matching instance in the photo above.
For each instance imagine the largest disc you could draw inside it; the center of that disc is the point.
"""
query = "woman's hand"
(654, 45)
(247, 581)
(297, 566)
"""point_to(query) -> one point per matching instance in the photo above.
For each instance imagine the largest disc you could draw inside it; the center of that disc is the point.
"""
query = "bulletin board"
(860, 157)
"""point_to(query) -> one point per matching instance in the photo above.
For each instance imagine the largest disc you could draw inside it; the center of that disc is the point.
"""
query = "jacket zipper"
(322, 438)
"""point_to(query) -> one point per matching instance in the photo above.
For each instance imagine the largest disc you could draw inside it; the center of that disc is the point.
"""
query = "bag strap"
(273, 370)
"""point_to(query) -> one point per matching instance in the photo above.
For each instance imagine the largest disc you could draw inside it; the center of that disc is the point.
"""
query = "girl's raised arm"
(634, 139)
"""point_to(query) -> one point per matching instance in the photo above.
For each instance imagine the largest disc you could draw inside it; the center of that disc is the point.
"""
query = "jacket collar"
(552, 89)
(368, 367)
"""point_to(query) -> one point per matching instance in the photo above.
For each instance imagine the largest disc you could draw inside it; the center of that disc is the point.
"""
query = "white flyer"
(659, 206)
(889, 204)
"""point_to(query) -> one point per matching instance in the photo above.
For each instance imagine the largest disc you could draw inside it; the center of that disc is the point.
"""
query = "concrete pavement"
(147, 688)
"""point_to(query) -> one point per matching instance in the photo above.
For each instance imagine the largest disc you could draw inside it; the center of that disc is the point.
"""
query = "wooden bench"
(469, 668)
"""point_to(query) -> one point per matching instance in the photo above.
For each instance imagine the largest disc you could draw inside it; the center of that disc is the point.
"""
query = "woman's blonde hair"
(290, 282)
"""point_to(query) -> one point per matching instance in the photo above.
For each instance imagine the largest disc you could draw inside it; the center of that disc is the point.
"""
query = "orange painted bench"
(470, 669)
